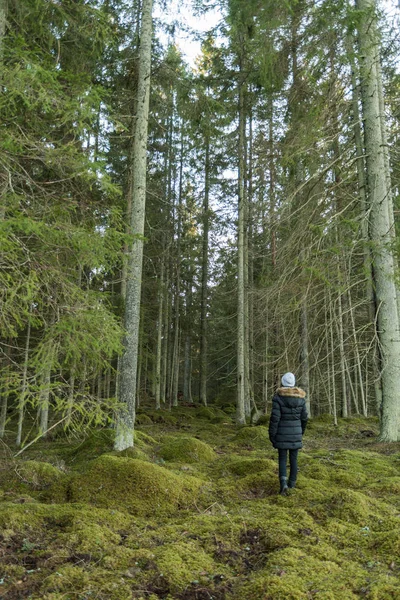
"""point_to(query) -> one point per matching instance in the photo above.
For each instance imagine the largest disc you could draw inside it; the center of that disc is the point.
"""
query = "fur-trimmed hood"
(292, 392)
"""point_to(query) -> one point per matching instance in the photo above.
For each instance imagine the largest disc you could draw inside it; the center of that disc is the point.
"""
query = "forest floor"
(193, 513)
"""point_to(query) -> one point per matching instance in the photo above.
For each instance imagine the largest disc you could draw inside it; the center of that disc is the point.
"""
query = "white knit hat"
(288, 380)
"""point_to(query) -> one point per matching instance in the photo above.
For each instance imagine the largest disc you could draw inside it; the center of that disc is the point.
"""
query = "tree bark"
(380, 223)
(241, 337)
(21, 406)
(362, 194)
(204, 277)
(44, 400)
(159, 336)
(127, 387)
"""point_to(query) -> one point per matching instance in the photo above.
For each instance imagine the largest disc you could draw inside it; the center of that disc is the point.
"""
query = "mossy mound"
(143, 440)
(99, 583)
(184, 565)
(252, 437)
(143, 419)
(259, 484)
(205, 412)
(293, 574)
(163, 416)
(136, 486)
(134, 452)
(31, 475)
(185, 449)
(243, 466)
(97, 443)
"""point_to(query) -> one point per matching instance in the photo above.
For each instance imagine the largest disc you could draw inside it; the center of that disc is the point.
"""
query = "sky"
(183, 12)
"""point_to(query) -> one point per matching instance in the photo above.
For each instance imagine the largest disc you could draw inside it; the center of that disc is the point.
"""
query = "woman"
(286, 427)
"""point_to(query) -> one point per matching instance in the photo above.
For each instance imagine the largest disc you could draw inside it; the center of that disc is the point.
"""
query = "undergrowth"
(192, 512)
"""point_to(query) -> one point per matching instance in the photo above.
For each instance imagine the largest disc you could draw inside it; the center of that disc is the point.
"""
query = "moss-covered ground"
(192, 512)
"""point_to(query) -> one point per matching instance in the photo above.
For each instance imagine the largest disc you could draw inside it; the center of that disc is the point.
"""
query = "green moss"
(246, 466)
(184, 564)
(293, 574)
(387, 543)
(69, 581)
(134, 452)
(384, 591)
(24, 518)
(253, 437)
(388, 485)
(22, 478)
(205, 413)
(134, 485)
(97, 443)
(143, 419)
(185, 449)
(259, 484)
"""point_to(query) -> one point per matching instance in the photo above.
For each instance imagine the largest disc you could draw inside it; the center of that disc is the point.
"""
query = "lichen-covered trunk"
(129, 361)
(380, 223)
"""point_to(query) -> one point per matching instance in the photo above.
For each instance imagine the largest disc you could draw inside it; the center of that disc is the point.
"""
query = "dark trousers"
(293, 464)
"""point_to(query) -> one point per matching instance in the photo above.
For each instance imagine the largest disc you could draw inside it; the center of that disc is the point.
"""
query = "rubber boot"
(284, 487)
(291, 484)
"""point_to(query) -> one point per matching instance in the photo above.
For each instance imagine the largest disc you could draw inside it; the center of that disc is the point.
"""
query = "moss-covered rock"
(139, 487)
(186, 449)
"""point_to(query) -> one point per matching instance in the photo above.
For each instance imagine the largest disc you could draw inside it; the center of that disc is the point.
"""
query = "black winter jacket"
(288, 418)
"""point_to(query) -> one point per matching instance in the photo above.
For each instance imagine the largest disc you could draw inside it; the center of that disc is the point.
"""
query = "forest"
(178, 229)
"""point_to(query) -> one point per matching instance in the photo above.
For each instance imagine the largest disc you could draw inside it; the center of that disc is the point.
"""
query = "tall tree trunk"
(165, 346)
(3, 20)
(380, 223)
(127, 386)
(5, 392)
(247, 275)
(177, 320)
(304, 358)
(44, 399)
(342, 356)
(362, 193)
(241, 331)
(22, 400)
(187, 375)
(204, 276)
(3, 173)
(332, 318)
(71, 395)
(159, 336)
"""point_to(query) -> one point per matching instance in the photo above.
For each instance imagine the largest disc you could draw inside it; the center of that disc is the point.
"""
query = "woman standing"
(286, 427)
